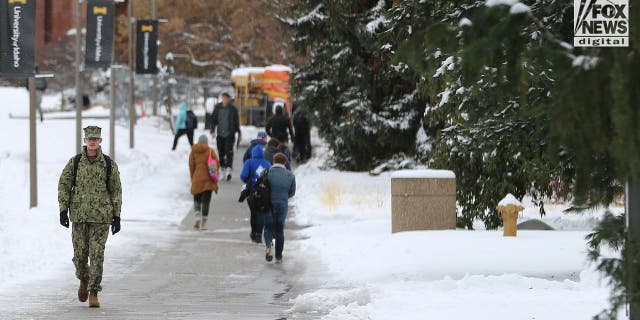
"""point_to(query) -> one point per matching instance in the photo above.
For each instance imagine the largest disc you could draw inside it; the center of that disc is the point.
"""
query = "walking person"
(252, 169)
(260, 140)
(225, 123)
(180, 128)
(302, 142)
(283, 187)
(202, 184)
(278, 125)
(284, 148)
(89, 187)
(271, 149)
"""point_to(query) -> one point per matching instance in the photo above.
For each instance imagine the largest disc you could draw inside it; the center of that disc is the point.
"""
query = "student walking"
(181, 127)
(90, 189)
(225, 123)
(260, 140)
(252, 169)
(271, 149)
(302, 142)
(283, 187)
(202, 183)
(278, 125)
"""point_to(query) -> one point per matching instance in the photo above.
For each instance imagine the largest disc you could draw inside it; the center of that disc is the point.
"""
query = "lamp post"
(132, 106)
(78, 84)
(154, 13)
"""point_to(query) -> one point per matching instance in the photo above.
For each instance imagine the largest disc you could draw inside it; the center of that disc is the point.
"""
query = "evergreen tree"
(366, 107)
(490, 91)
(521, 108)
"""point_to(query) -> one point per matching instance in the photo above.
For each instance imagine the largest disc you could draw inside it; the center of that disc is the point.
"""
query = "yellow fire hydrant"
(509, 208)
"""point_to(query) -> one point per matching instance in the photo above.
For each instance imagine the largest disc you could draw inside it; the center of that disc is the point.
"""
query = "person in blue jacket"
(260, 140)
(251, 170)
(283, 187)
(180, 127)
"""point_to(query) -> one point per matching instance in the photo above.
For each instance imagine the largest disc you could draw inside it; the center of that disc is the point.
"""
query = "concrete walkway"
(214, 274)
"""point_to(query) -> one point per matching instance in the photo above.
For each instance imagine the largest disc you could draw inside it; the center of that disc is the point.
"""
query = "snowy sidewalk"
(214, 274)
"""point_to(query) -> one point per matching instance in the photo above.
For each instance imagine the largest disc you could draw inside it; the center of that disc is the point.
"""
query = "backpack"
(76, 161)
(213, 167)
(192, 120)
(260, 195)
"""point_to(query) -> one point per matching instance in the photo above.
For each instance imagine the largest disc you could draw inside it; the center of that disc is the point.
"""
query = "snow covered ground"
(347, 254)
(362, 271)
(33, 246)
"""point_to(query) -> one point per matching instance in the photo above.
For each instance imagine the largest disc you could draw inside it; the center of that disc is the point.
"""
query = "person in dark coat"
(271, 149)
(284, 148)
(302, 142)
(225, 123)
(278, 124)
(261, 140)
(283, 187)
(251, 170)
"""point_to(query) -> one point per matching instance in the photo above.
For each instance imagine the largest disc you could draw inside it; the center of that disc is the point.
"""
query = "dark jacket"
(283, 184)
(301, 125)
(199, 169)
(234, 125)
(287, 152)
(254, 142)
(254, 166)
(277, 127)
(269, 152)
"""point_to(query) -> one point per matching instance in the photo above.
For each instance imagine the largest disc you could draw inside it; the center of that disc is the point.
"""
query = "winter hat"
(262, 135)
(203, 139)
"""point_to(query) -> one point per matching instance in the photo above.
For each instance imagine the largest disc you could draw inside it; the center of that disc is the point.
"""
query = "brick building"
(55, 18)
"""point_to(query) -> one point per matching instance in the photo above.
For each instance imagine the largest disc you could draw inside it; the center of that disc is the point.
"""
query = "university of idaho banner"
(100, 24)
(146, 46)
(17, 37)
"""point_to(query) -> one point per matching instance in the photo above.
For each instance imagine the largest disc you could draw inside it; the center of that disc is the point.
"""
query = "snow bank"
(362, 271)
(427, 174)
(33, 246)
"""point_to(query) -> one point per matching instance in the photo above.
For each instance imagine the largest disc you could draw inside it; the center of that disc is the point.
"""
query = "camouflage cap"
(92, 132)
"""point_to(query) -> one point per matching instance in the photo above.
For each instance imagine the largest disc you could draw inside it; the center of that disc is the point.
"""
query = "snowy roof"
(244, 72)
(426, 173)
(278, 67)
(510, 199)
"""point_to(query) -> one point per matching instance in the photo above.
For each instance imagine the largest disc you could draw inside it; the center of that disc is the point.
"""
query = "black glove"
(115, 225)
(64, 219)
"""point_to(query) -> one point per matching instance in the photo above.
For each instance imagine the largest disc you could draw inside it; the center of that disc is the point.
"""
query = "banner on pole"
(146, 46)
(17, 38)
(100, 27)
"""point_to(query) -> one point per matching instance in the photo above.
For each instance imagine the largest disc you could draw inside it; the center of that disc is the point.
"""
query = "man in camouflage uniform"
(95, 204)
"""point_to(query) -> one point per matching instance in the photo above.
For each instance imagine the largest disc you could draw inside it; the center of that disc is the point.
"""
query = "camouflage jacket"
(90, 201)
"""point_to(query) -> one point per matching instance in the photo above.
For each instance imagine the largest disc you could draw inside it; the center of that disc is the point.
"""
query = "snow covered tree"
(489, 91)
(366, 106)
(521, 109)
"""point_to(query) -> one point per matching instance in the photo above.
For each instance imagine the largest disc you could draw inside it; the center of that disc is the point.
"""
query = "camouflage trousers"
(88, 246)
